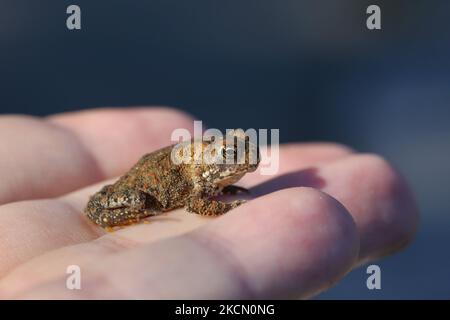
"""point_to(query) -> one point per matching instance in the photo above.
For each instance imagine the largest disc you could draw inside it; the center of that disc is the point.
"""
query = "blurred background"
(310, 68)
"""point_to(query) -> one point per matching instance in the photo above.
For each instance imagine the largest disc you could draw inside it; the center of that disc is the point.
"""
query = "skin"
(328, 210)
(157, 184)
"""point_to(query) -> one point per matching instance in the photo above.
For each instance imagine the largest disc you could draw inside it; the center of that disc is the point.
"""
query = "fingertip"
(293, 242)
(398, 215)
(326, 237)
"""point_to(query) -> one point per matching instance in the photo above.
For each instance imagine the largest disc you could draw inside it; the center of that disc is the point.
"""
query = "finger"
(379, 200)
(374, 193)
(297, 156)
(294, 242)
(49, 157)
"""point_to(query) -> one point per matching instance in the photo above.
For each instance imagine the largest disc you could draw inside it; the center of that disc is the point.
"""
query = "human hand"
(326, 211)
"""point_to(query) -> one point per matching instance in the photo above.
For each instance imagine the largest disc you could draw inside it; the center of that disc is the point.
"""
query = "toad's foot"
(108, 208)
(209, 207)
(232, 190)
(122, 216)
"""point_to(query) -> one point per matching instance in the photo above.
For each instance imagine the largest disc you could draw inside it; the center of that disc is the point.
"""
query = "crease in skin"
(98, 171)
(70, 200)
(116, 242)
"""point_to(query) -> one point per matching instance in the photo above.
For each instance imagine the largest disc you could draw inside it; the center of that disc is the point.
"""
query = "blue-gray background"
(310, 68)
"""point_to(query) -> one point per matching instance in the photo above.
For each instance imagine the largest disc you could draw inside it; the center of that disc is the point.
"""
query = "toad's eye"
(229, 153)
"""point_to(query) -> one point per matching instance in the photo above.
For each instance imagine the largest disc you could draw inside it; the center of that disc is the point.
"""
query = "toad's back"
(155, 174)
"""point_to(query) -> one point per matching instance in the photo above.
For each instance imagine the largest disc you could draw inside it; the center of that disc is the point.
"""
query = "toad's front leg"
(109, 208)
(210, 207)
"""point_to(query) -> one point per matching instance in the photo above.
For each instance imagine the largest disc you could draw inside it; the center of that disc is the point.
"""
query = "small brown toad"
(157, 183)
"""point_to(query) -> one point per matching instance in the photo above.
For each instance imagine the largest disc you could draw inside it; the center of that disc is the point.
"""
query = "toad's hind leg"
(210, 207)
(122, 216)
(108, 208)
